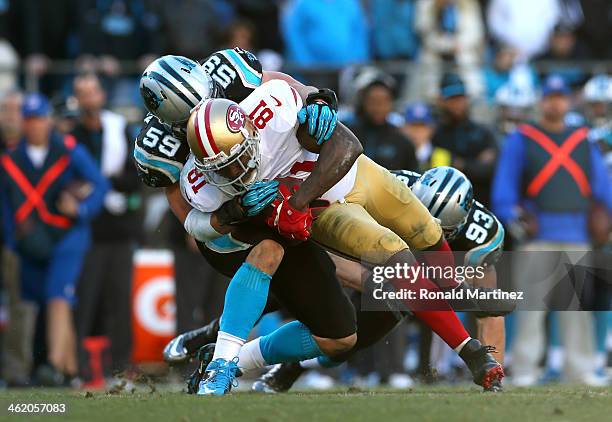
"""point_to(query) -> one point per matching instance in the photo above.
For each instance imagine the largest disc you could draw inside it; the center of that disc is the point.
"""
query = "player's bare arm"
(301, 89)
(335, 160)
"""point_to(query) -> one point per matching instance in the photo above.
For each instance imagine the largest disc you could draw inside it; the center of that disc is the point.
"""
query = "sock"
(463, 343)
(250, 356)
(436, 314)
(245, 300)
(227, 347)
(441, 256)
(445, 324)
(292, 342)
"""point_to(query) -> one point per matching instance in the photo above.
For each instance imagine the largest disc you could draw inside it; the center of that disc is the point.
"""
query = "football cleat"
(204, 356)
(279, 379)
(184, 346)
(486, 371)
(481, 308)
(220, 377)
(175, 351)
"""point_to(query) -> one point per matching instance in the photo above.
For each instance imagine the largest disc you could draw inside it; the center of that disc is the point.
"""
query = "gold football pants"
(380, 217)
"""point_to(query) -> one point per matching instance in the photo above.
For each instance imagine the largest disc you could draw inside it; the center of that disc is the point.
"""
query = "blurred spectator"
(553, 214)
(564, 49)
(597, 95)
(115, 30)
(190, 28)
(51, 189)
(498, 73)
(17, 356)
(419, 127)
(11, 120)
(330, 33)
(105, 286)
(595, 32)
(453, 36)
(45, 32)
(241, 33)
(514, 102)
(473, 145)
(393, 32)
(65, 113)
(382, 141)
(525, 25)
(264, 15)
(9, 60)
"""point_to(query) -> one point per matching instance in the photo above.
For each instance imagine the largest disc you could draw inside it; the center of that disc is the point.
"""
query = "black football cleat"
(279, 379)
(486, 371)
(184, 346)
(204, 356)
(482, 308)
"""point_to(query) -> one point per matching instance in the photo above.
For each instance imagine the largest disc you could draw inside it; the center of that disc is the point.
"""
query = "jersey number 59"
(167, 144)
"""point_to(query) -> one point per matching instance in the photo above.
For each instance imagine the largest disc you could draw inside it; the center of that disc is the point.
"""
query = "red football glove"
(290, 222)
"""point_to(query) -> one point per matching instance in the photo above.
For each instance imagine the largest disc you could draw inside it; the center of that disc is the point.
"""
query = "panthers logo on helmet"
(235, 118)
(152, 101)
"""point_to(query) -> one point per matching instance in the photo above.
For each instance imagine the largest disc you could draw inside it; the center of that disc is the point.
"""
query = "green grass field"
(562, 403)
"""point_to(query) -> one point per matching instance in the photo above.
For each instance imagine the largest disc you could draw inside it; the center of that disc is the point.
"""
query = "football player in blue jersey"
(470, 228)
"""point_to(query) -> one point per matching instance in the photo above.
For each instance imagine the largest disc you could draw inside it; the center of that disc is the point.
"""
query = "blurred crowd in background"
(422, 83)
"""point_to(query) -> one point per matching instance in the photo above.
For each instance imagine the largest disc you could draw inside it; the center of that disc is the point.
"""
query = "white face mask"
(247, 159)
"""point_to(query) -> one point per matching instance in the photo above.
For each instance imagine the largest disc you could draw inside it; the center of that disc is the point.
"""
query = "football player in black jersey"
(470, 228)
(479, 239)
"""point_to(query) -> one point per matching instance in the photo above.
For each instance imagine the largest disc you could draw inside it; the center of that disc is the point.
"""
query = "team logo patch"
(235, 118)
(152, 101)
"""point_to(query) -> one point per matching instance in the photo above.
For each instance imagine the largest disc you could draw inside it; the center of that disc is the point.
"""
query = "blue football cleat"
(220, 377)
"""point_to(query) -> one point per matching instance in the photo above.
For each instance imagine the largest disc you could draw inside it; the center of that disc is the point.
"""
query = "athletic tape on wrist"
(198, 225)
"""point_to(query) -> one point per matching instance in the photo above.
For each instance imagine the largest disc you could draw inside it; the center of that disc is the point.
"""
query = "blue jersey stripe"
(476, 256)
(248, 74)
(174, 172)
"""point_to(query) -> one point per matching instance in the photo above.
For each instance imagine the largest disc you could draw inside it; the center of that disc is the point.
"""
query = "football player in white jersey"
(233, 151)
(169, 86)
(249, 286)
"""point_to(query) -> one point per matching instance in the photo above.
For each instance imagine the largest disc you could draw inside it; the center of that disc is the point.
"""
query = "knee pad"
(386, 245)
(426, 234)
